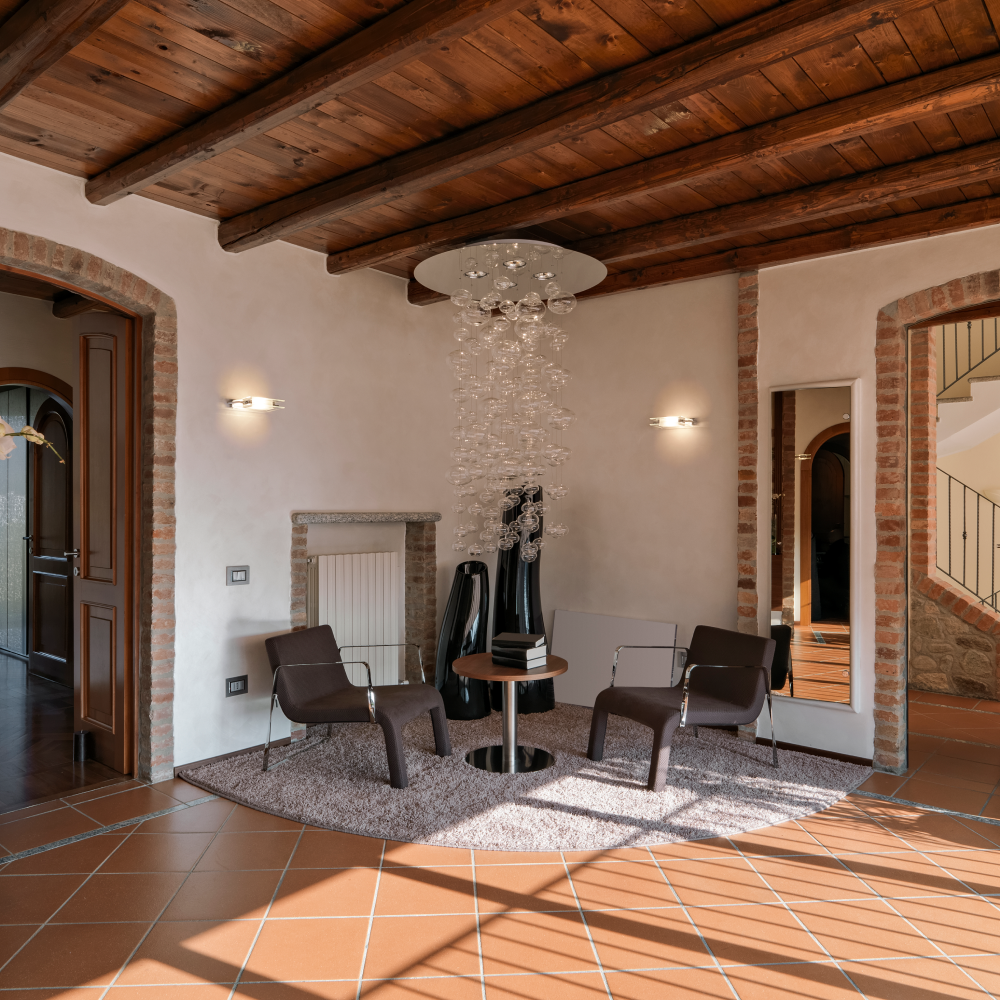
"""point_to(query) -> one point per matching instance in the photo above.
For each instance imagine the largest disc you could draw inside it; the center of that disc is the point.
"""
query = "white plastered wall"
(837, 299)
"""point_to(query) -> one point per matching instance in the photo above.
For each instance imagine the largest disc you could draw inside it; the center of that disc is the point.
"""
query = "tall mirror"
(811, 542)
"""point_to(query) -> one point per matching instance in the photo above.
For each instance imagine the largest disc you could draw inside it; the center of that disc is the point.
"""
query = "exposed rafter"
(733, 52)
(40, 32)
(935, 93)
(397, 38)
(817, 201)
(898, 229)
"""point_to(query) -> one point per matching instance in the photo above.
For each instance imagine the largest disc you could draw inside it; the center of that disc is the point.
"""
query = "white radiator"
(359, 597)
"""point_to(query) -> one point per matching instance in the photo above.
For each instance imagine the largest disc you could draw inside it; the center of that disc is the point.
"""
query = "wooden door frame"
(132, 564)
(805, 517)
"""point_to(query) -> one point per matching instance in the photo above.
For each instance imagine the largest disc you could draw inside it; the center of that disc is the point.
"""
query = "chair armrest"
(618, 649)
(386, 645)
(333, 663)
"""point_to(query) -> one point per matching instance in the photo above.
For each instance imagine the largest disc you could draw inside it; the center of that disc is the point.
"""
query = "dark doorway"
(831, 501)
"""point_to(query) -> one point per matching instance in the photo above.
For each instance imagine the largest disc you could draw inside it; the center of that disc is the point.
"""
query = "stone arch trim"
(906, 486)
(103, 280)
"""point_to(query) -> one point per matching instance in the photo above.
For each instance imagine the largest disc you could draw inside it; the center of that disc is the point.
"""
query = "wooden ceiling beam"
(40, 32)
(66, 305)
(770, 37)
(405, 34)
(898, 229)
(936, 93)
(818, 201)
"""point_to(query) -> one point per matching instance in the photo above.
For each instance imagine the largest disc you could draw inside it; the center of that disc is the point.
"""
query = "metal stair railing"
(967, 546)
(961, 352)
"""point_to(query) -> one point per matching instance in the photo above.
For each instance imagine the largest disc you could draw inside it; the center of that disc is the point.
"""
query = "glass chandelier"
(510, 417)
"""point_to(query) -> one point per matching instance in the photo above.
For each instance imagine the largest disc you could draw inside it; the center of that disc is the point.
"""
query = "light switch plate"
(237, 685)
(237, 576)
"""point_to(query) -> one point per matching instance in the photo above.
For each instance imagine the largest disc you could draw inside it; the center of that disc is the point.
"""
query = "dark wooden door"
(50, 652)
(103, 577)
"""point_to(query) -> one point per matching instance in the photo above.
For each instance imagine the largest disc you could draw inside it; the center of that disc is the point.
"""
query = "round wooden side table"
(509, 758)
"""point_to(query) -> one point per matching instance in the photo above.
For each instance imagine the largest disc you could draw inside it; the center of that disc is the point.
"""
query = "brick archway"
(97, 278)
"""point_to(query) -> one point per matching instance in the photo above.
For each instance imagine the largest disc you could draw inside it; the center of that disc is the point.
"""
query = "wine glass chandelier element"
(508, 454)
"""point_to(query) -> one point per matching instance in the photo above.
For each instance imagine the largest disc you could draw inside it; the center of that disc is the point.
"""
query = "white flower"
(7, 443)
(30, 434)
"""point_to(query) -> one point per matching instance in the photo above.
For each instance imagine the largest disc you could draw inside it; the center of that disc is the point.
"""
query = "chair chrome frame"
(274, 698)
(618, 649)
(386, 645)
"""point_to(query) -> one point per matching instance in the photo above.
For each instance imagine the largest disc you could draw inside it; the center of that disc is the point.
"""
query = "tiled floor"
(213, 900)
(821, 660)
(954, 756)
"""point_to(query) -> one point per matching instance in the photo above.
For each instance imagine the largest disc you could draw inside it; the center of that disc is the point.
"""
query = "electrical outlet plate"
(237, 685)
(237, 576)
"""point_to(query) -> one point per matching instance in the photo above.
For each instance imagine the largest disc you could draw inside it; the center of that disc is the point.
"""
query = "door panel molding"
(98, 665)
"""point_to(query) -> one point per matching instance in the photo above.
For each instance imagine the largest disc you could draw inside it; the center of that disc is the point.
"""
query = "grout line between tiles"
(371, 921)
(479, 933)
(590, 936)
(263, 919)
(163, 909)
(926, 807)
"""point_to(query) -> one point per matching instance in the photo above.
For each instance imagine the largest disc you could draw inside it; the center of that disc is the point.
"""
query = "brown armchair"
(311, 686)
(729, 690)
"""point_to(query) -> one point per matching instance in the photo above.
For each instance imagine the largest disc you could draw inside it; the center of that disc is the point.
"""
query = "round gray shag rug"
(717, 786)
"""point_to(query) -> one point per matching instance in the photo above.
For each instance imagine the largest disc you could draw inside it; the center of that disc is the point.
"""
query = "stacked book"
(510, 649)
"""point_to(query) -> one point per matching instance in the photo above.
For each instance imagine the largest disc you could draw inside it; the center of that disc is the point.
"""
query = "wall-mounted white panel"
(588, 643)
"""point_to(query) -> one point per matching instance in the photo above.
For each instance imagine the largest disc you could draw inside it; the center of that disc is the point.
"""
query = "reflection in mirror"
(811, 543)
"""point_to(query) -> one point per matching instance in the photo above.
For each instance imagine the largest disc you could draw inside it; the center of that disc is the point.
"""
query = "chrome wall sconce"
(672, 421)
(255, 403)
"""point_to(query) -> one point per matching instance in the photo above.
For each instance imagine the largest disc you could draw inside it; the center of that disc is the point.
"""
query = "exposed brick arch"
(97, 278)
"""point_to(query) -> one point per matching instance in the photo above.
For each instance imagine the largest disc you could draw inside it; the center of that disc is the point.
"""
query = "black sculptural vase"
(463, 632)
(518, 608)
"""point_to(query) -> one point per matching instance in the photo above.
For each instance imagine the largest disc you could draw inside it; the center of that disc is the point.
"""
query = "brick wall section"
(158, 389)
(421, 598)
(746, 375)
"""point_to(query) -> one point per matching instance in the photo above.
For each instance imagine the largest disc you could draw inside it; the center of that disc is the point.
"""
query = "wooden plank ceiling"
(673, 139)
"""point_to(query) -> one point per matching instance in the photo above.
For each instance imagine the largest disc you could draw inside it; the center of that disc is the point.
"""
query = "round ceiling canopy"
(527, 263)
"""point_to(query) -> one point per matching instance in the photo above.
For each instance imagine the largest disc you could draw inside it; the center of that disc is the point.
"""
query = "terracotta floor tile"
(969, 751)
(178, 788)
(882, 784)
(42, 807)
(523, 887)
(12, 936)
(522, 857)
(206, 818)
(535, 942)
(341, 892)
(247, 851)
(984, 969)
(243, 819)
(901, 875)
(754, 935)
(862, 929)
(331, 849)
(121, 897)
(223, 896)
(73, 955)
(595, 857)
(423, 854)
(985, 832)
(675, 984)
(943, 796)
(916, 979)
(463, 988)
(344, 989)
(713, 847)
(924, 831)
(425, 890)
(952, 767)
(810, 878)
(585, 986)
(992, 808)
(100, 793)
(80, 993)
(845, 829)
(191, 952)
(979, 870)
(793, 982)
(702, 883)
(308, 949)
(959, 925)
(634, 884)
(637, 939)
(32, 899)
(422, 946)
(189, 991)
(927, 744)
(158, 852)
(45, 828)
(774, 841)
(126, 805)
(934, 698)
(83, 857)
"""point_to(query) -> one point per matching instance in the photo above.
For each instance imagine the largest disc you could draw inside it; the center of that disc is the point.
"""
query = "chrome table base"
(510, 758)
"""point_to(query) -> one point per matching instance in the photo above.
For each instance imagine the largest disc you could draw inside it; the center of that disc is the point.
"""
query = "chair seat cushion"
(396, 703)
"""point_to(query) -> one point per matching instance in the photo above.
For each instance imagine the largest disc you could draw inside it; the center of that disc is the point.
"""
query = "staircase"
(967, 352)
